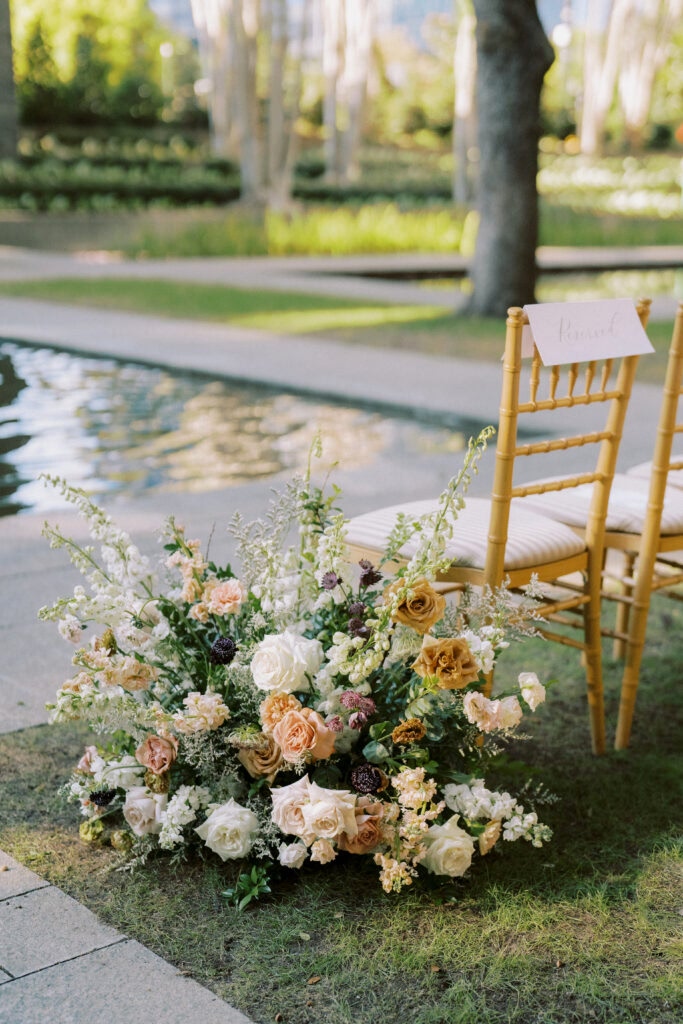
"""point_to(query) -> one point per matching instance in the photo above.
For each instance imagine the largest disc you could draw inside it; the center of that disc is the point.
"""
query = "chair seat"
(533, 540)
(643, 470)
(627, 506)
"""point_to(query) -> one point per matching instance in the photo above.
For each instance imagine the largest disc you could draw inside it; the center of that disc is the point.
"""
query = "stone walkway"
(57, 962)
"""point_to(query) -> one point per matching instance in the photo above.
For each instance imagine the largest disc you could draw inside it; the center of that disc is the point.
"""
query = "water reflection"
(122, 428)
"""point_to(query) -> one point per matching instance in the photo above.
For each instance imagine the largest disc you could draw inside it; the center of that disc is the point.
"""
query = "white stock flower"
(284, 661)
(144, 810)
(292, 855)
(533, 691)
(228, 830)
(127, 773)
(449, 849)
(70, 629)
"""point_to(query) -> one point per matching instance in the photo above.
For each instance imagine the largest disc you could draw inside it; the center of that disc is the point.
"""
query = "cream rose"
(304, 732)
(420, 609)
(157, 753)
(491, 715)
(533, 691)
(228, 830)
(263, 761)
(225, 597)
(288, 804)
(449, 849)
(292, 855)
(369, 814)
(330, 812)
(144, 810)
(284, 661)
(323, 851)
(449, 659)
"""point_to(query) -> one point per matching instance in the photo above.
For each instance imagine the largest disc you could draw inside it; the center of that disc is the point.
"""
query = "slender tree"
(513, 55)
(8, 103)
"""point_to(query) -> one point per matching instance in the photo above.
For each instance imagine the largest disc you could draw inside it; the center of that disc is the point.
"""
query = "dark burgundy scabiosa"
(330, 580)
(357, 719)
(356, 610)
(356, 702)
(368, 778)
(102, 797)
(223, 651)
(368, 574)
(357, 627)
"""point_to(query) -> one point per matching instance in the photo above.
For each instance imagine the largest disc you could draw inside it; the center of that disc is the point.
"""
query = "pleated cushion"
(643, 470)
(532, 539)
(627, 505)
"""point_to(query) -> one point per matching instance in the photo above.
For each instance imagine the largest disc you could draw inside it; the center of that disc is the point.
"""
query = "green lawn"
(586, 929)
(433, 330)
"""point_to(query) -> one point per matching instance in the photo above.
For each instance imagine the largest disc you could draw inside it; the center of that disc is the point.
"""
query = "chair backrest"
(668, 426)
(607, 382)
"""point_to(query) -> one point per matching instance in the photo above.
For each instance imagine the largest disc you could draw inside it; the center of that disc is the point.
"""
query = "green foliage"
(250, 885)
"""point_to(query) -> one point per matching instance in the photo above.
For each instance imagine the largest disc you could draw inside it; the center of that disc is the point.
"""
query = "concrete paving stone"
(15, 879)
(47, 927)
(120, 984)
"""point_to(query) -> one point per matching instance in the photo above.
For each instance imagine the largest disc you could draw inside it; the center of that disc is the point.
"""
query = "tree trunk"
(464, 74)
(333, 14)
(513, 55)
(8, 103)
(246, 22)
(601, 56)
(360, 34)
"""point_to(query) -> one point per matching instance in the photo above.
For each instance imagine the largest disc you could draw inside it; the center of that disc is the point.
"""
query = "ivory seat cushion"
(532, 539)
(627, 505)
(644, 469)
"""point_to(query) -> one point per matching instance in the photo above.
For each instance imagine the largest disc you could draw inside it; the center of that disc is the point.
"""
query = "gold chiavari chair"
(644, 528)
(498, 538)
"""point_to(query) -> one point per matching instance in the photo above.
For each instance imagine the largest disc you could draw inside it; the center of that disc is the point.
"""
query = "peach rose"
(131, 674)
(491, 715)
(420, 608)
(275, 707)
(303, 732)
(489, 837)
(225, 597)
(449, 659)
(157, 753)
(369, 814)
(263, 761)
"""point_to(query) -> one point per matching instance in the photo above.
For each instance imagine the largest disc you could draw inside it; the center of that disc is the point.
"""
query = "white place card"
(574, 332)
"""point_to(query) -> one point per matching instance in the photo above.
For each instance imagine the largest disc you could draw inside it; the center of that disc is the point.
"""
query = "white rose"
(288, 803)
(228, 830)
(144, 811)
(533, 692)
(449, 849)
(330, 812)
(283, 661)
(292, 855)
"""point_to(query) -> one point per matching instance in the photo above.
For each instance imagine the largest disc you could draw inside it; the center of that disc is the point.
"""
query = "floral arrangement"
(301, 710)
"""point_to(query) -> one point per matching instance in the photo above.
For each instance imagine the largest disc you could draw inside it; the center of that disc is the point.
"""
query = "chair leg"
(593, 640)
(624, 608)
(634, 656)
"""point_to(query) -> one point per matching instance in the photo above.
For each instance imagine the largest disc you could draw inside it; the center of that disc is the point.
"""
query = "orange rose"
(449, 659)
(303, 732)
(420, 608)
(369, 814)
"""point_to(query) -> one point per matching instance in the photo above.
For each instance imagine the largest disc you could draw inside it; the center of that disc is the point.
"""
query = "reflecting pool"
(123, 428)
